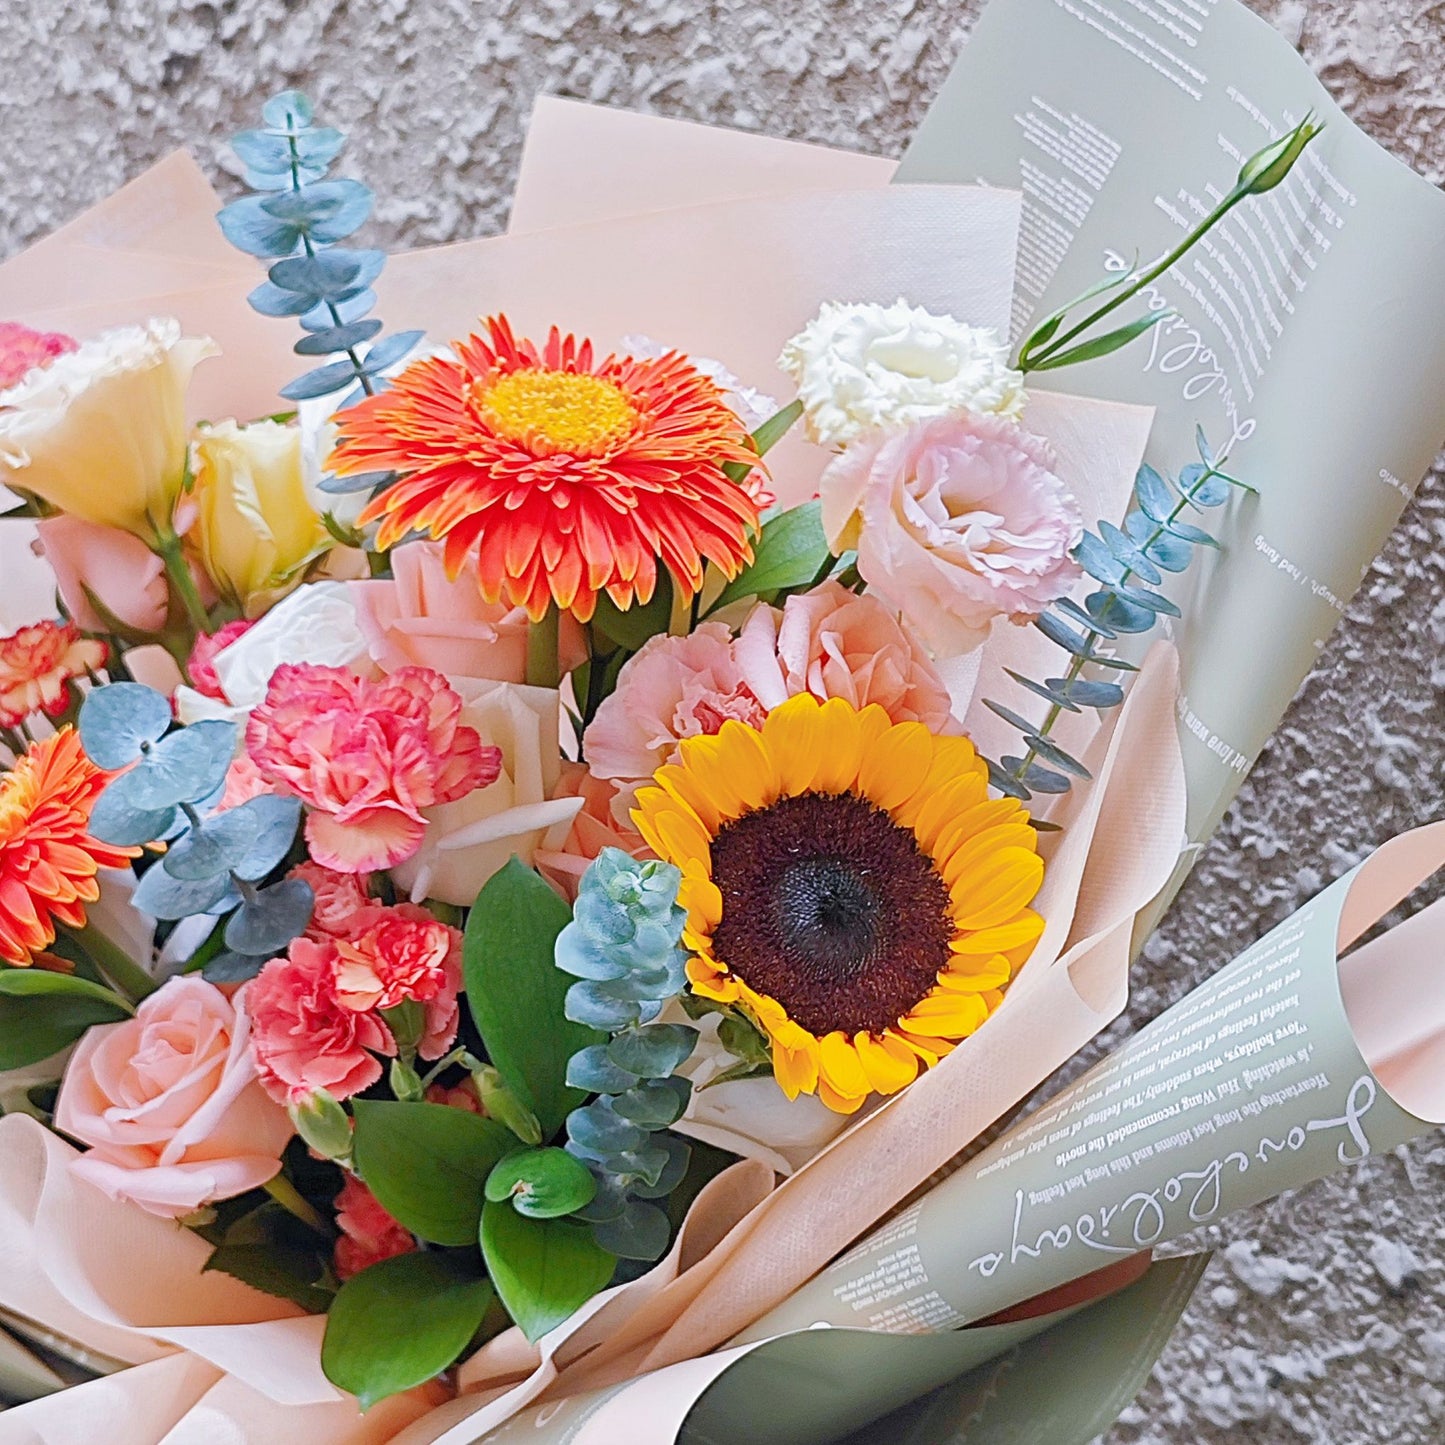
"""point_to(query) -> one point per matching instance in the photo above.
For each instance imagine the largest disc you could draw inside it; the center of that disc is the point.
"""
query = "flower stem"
(441, 1066)
(285, 1193)
(543, 667)
(168, 549)
(120, 970)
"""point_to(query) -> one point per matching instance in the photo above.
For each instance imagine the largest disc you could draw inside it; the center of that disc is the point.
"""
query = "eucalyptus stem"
(1076, 666)
(285, 1193)
(118, 968)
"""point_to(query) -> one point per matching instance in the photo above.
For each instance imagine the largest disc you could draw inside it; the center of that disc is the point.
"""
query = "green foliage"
(543, 1269)
(399, 1323)
(428, 1165)
(541, 1183)
(517, 997)
(791, 551)
(42, 1013)
(283, 1271)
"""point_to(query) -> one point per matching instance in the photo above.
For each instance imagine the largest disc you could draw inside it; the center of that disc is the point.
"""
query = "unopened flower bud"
(1264, 170)
(324, 1125)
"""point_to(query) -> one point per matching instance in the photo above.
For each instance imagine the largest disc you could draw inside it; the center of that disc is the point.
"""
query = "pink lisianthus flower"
(958, 520)
(303, 1036)
(674, 688)
(366, 757)
(368, 1233)
(203, 653)
(832, 643)
(594, 828)
(169, 1104)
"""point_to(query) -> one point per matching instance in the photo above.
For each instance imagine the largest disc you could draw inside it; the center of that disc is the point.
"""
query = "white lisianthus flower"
(862, 367)
(100, 433)
(316, 624)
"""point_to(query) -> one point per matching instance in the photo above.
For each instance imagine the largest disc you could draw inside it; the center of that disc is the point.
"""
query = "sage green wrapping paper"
(1309, 337)
(1277, 1071)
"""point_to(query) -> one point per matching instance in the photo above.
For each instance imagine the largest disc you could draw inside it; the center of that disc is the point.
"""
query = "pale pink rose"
(420, 617)
(170, 1105)
(121, 572)
(593, 829)
(675, 688)
(832, 643)
(368, 1233)
(957, 521)
(303, 1037)
(339, 898)
(366, 757)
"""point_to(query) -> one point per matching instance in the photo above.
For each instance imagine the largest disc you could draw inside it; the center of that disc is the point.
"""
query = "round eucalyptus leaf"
(276, 820)
(184, 767)
(592, 1070)
(642, 1232)
(115, 819)
(600, 1133)
(291, 110)
(654, 1104)
(217, 846)
(231, 967)
(541, 1183)
(268, 923)
(115, 720)
(163, 896)
(653, 1052)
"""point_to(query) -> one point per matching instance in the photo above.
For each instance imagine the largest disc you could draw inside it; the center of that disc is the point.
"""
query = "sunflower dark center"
(831, 908)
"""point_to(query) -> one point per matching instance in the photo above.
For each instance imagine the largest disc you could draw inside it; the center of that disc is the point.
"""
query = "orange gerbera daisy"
(48, 860)
(568, 477)
(850, 887)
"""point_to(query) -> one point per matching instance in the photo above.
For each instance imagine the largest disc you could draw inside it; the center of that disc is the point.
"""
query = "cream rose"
(170, 1105)
(860, 367)
(957, 521)
(101, 433)
(255, 527)
(469, 840)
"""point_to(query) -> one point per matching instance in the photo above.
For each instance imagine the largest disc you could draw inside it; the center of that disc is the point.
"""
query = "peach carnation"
(303, 1036)
(833, 643)
(199, 666)
(367, 757)
(38, 665)
(339, 899)
(957, 521)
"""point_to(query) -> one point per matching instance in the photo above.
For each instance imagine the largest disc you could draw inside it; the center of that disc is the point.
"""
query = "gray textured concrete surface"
(1323, 1317)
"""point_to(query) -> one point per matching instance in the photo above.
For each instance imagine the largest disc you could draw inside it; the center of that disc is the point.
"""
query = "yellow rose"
(100, 433)
(255, 527)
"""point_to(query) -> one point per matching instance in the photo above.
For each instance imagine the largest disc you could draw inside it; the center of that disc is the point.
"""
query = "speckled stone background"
(1323, 1317)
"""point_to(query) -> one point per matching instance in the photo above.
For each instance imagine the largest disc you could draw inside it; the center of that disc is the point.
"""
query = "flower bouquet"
(504, 875)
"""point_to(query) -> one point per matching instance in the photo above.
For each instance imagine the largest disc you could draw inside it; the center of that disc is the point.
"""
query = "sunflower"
(567, 477)
(849, 886)
(48, 861)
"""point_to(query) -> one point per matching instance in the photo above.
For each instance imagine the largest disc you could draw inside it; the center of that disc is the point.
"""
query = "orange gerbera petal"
(48, 860)
(567, 477)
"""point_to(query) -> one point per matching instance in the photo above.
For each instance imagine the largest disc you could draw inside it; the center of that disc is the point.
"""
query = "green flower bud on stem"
(501, 1104)
(1264, 170)
(324, 1126)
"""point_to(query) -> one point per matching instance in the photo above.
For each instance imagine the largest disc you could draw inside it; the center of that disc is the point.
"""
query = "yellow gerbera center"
(553, 412)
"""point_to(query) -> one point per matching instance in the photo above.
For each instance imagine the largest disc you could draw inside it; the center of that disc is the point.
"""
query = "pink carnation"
(832, 643)
(675, 688)
(368, 1233)
(403, 955)
(22, 350)
(302, 1035)
(367, 757)
(203, 654)
(957, 521)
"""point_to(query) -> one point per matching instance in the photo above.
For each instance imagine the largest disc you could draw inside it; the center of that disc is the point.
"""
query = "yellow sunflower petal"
(681, 838)
(928, 1048)
(975, 820)
(978, 975)
(991, 841)
(894, 767)
(995, 890)
(1019, 932)
(793, 733)
(704, 903)
(744, 761)
(839, 1065)
(686, 787)
(889, 1063)
(949, 1015)
(841, 750)
(796, 1070)
(946, 802)
(840, 1103)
